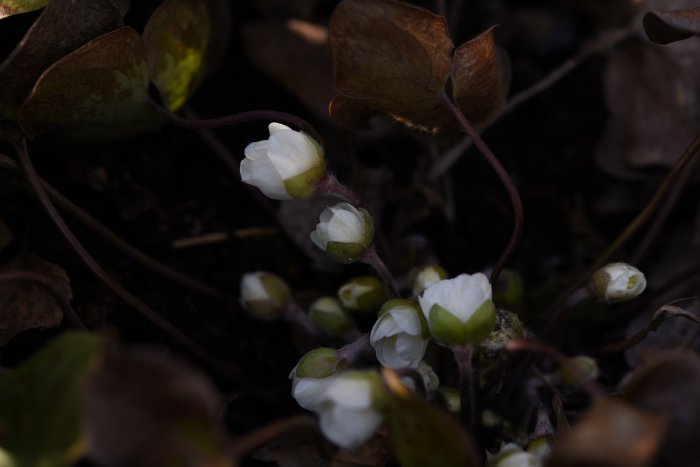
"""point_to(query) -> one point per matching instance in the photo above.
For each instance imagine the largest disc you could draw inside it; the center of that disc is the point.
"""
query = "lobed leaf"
(98, 92)
(61, 28)
(480, 78)
(391, 57)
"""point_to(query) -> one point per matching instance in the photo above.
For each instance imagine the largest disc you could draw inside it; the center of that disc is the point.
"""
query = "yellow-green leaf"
(41, 402)
(14, 7)
(182, 39)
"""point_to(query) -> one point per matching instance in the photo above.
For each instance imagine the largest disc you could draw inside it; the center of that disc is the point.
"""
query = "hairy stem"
(371, 257)
(463, 357)
(518, 215)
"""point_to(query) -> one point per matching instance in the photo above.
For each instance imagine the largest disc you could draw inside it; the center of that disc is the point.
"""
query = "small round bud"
(425, 277)
(618, 282)
(429, 378)
(362, 294)
(511, 455)
(508, 291)
(586, 366)
(311, 374)
(452, 398)
(330, 316)
(288, 165)
(459, 311)
(344, 232)
(508, 327)
(264, 295)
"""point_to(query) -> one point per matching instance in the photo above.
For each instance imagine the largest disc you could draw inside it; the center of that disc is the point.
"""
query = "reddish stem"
(518, 216)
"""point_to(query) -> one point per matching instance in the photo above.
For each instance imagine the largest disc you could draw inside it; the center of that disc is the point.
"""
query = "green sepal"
(446, 328)
(344, 252)
(599, 283)
(319, 363)
(450, 331)
(277, 289)
(369, 227)
(302, 186)
(334, 322)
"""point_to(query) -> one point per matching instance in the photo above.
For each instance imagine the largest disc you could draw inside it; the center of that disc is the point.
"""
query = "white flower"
(311, 375)
(399, 336)
(618, 282)
(459, 311)
(350, 408)
(285, 166)
(511, 455)
(344, 232)
(264, 295)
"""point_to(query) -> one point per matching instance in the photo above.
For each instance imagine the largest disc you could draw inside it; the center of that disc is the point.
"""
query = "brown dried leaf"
(612, 433)
(145, 408)
(480, 78)
(653, 94)
(62, 27)
(97, 92)
(393, 57)
(669, 385)
(26, 305)
(350, 113)
(299, 448)
(664, 27)
(281, 50)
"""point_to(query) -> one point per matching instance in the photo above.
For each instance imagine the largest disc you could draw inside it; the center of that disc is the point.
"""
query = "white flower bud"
(618, 282)
(286, 166)
(400, 335)
(310, 376)
(427, 276)
(350, 408)
(362, 294)
(344, 232)
(459, 311)
(327, 313)
(512, 455)
(586, 366)
(430, 379)
(264, 295)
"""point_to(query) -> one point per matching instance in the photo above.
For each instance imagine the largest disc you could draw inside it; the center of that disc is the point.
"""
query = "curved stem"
(330, 185)
(295, 314)
(121, 244)
(371, 257)
(518, 216)
(242, 117)
(48, 285)
(351, 352)
(167, 327)
(463, 357)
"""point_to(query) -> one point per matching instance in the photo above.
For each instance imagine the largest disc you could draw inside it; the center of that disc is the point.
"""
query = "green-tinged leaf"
(664, 27)
(145, 408)
(184, 40)
(41, 402)
(423, 435)
(480, 79)
(391, 57)
(15, 7)
(26, 305)
(62, 27)
(97, 92)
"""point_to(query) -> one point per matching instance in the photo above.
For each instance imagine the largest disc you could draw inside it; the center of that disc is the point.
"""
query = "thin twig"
(121, 244)
(176, 334)
(371, 257)
(518, 215)
(50, 286)
(242, 117)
